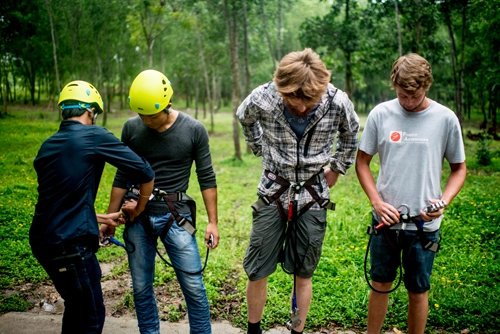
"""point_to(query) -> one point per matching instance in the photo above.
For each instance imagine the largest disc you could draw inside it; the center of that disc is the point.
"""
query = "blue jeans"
(182, 249)
(77, 277)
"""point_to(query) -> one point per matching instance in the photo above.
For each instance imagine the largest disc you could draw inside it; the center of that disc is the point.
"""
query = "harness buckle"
(371, 230)
(188, 227)
(262, 201)
(432, 246)
(327, 204)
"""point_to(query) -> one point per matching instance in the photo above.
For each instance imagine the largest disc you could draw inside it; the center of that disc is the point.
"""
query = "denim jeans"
(387, 250)
(77, 277)
(182, 249)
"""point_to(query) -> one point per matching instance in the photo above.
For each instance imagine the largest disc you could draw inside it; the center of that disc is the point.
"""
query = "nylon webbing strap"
(170, 199)
(266, 200)
(426, 243)
(285, 184)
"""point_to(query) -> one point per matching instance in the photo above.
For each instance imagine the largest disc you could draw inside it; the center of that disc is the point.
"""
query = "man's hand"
(428, 216)
(111, 219)
(331, 177)
(106, 230)
(212, 235)
(130, 209)
(388, 214)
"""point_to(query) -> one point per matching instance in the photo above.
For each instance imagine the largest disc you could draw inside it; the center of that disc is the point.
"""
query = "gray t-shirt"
(171, 154)
(412, 147)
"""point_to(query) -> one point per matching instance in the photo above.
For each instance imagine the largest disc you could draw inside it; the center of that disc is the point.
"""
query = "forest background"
(215, 53)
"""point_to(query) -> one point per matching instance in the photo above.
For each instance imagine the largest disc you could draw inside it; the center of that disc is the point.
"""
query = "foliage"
(108, 42)
(465, 281)
(483, 153)
(13, 304)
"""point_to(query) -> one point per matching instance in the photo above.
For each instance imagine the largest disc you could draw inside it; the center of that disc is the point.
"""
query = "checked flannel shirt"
(269, 135)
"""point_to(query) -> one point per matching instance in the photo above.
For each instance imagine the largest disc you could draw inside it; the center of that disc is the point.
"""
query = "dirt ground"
(117, 292)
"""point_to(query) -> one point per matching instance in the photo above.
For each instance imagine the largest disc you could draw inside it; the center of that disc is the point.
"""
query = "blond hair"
(411, 72)
(302, 74)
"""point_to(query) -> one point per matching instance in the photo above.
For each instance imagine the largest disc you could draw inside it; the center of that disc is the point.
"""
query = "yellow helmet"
(81, 91)
(150, 92)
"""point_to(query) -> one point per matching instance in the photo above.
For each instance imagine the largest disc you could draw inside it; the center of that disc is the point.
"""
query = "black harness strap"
(285, 185)
(266, 200)
(170, 199)
(426, 242)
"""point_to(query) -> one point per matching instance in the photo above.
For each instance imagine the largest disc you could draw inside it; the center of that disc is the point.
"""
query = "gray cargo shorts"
(302, 251)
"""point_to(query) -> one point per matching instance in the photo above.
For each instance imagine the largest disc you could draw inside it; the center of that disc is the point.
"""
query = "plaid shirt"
(269, 135)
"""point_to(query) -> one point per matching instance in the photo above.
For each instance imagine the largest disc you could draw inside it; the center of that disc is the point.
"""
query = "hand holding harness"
(405, 218)
(170, 198)
(188, 224)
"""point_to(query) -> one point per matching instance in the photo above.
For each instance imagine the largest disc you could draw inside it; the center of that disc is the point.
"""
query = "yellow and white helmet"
(83, 92)
(150, 92)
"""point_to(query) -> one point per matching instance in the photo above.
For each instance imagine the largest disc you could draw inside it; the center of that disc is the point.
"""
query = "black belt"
(66, 248)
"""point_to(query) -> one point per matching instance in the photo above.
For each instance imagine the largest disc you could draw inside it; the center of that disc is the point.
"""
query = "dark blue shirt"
(69, 165)
(298, 123)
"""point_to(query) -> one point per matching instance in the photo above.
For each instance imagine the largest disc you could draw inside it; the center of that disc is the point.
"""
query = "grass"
(465, 281)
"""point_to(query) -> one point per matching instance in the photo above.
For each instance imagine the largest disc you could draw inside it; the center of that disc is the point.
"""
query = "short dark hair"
(72, 112)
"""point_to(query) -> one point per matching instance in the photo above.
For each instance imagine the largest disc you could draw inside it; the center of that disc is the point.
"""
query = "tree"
(230, 14)
(148, 17)
(333, 32)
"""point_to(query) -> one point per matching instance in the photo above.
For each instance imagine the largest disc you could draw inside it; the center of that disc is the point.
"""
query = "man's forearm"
(455, 182)
(210, 200)
(115, 201)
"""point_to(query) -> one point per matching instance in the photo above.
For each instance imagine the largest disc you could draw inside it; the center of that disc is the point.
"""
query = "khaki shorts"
(302, 249)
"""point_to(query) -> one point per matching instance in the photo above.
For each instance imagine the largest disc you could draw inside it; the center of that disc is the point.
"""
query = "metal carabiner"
(404, 216)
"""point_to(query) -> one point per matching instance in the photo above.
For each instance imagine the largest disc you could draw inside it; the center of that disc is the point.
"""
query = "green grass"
(465, 281)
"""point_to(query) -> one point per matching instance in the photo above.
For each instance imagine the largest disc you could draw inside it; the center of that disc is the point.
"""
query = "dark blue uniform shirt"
(69, 166)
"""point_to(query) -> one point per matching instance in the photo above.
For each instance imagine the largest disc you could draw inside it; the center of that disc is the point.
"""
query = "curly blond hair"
(411, 72)
(302, 74)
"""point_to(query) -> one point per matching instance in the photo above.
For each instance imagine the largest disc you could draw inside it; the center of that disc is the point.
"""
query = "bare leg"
(417, 312)
(304, 294)
(377, 307)
(256, 299)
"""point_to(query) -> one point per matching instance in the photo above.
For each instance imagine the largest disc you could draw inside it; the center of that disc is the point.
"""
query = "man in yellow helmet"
(64, 235)
(171, 141)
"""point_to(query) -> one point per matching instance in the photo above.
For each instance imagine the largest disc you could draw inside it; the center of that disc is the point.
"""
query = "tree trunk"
(279, 30)
(205, 74)
(347, 54)
(460, 111)
(232, 32)
(453, 50)
(100, 80)
(400, 42)
(417, 28)
(54, 48)
(246, 90)
(196, 97)
(3, 77)
(266, 32)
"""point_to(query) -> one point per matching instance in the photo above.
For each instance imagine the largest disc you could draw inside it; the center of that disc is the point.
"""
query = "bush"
(483, 153)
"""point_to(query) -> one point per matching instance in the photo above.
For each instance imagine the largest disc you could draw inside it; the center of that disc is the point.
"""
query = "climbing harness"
(316, 179)
(291, 217)
(404, 218)
(189, 225)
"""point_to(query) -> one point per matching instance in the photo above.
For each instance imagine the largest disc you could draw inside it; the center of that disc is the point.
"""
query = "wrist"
(144, 196)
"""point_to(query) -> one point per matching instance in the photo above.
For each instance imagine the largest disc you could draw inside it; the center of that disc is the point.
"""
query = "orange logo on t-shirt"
(396, 136)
